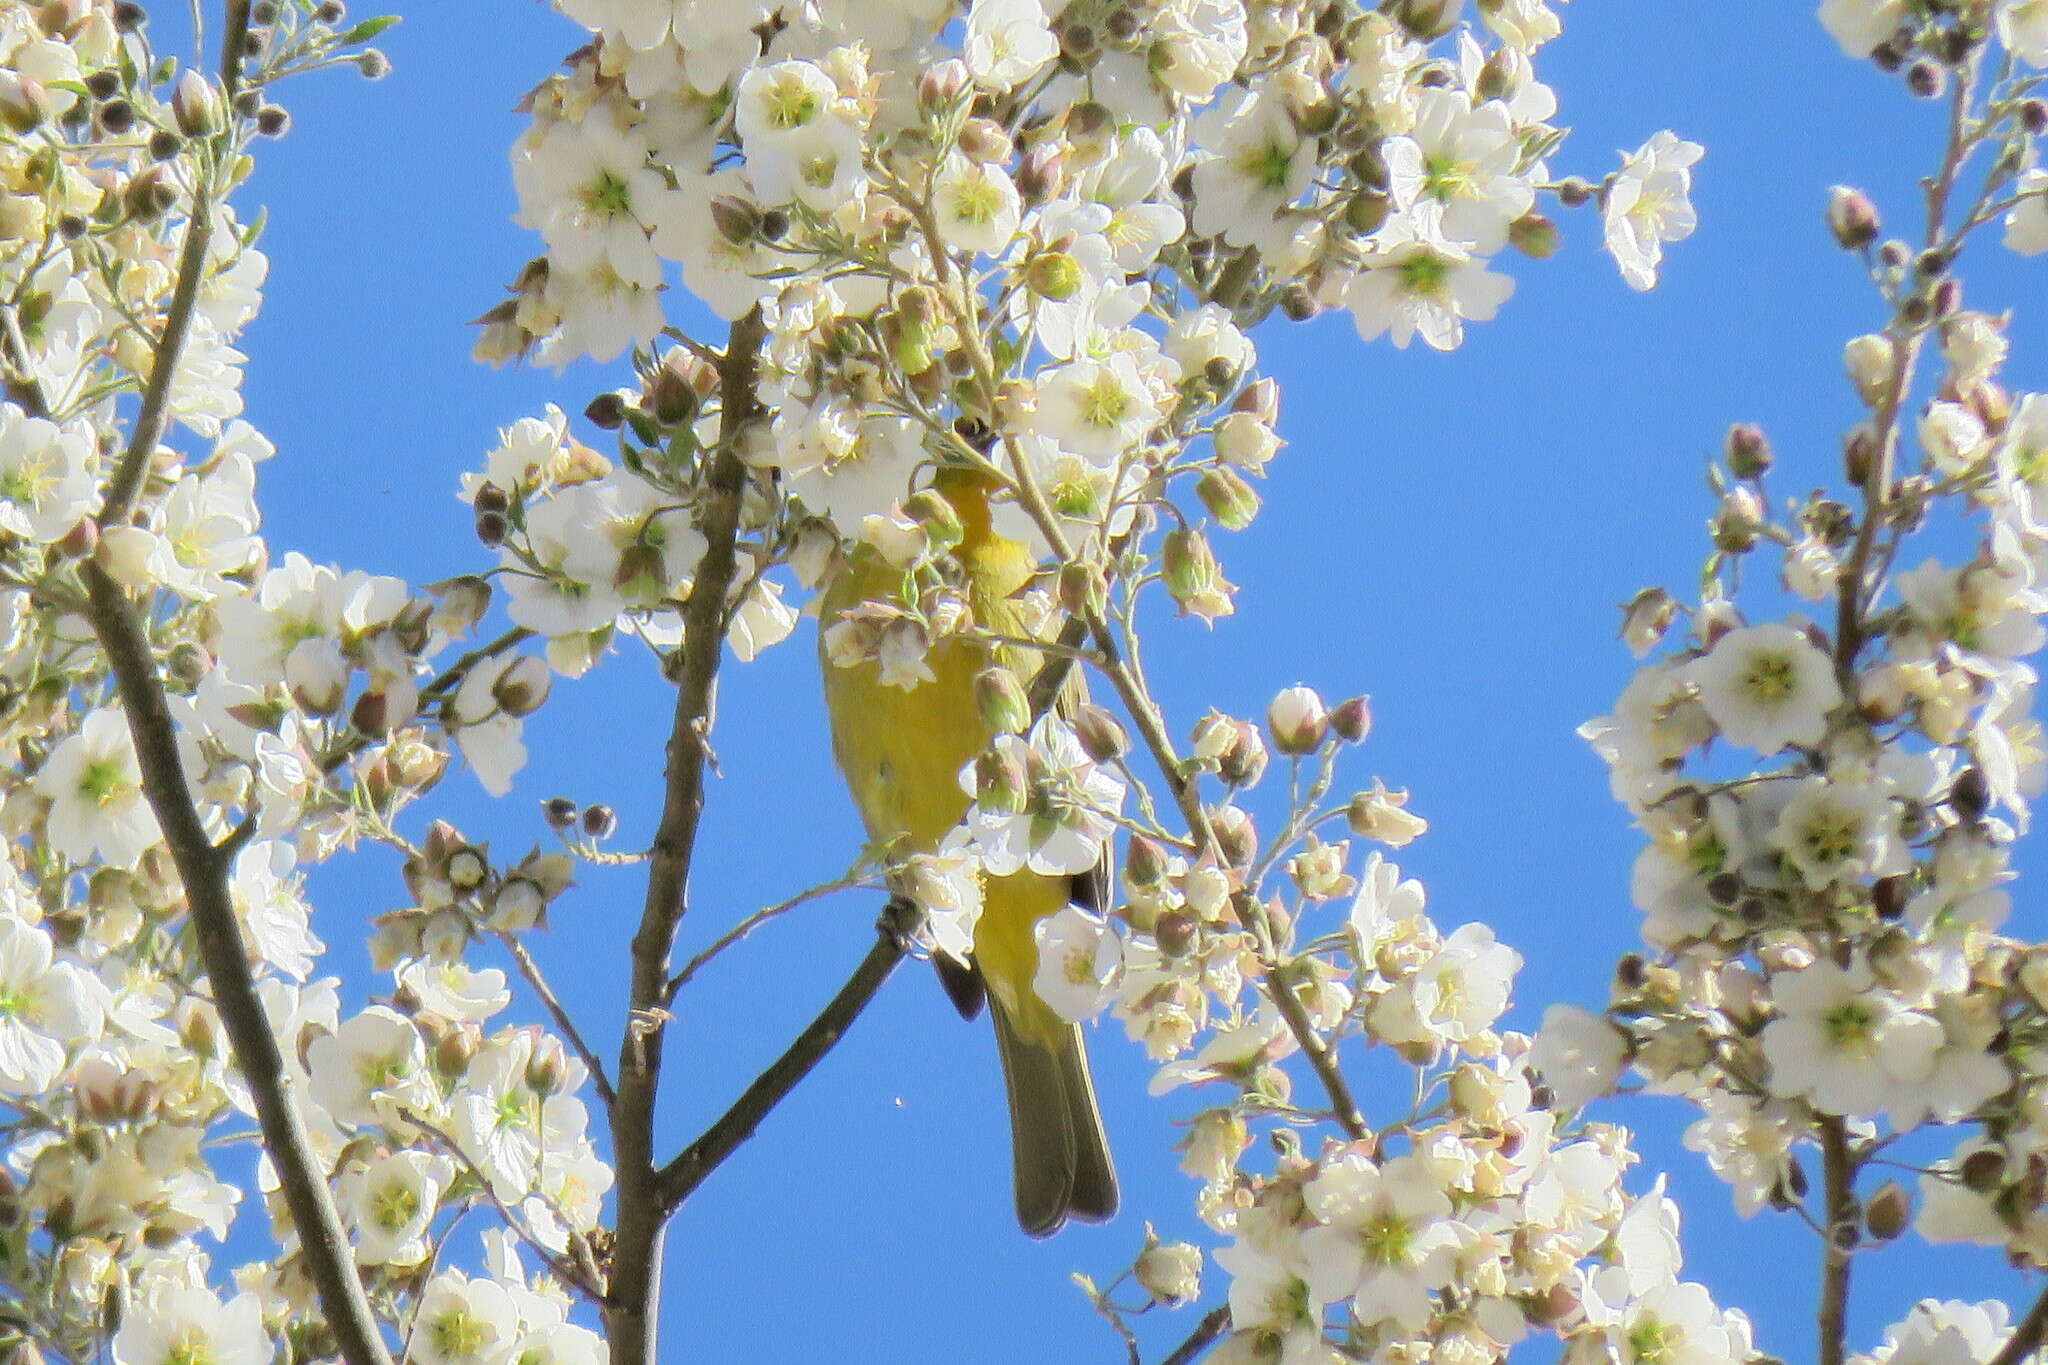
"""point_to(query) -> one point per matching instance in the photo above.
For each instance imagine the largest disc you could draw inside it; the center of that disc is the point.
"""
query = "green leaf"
(368, 29)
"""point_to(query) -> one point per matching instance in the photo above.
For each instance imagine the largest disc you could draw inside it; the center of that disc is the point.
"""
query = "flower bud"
(24, 102)
(1082, 589)
(1367, 212)
(1970, 795)
(1888, 1212)
(600, 821)
(1101, 735)
(1983, 1170)
(1236, 836)
(1297, 720)
(1228, 497)
(317, 675)
(1926, 79)
(1042, 174)
(941, 86)
(1427, 20)
(456, 1049)
(1869, 360)
(523, 688)
(1747, 450)
(81, 540)
(1260, 398)
(1001, 784)
(1737, 521)
(1245, 440)
(1852, 218)
(1175, 932)
(518, 906)
(195, 105)
(983, 140)
(1171, 1272)
(999, 699)
(937, 517)
(1054, 275)
(1645, 619)
(1534, 236)
(466, 868)
(1192, 576)
(492, 528)
(547, 1066)
(738, 221)
(560, 813)
(1351, 720)
(1144, 861)
(1243, 761)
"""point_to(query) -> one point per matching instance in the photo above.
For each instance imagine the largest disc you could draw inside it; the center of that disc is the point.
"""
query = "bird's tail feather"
(1061, 1156)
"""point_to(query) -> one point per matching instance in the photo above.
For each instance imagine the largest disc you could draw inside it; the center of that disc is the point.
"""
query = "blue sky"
(1449, 534)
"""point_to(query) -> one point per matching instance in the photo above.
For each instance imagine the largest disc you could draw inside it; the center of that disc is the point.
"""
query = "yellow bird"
(901, 752)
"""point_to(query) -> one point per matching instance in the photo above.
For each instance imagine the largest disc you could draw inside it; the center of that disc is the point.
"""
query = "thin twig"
(530, 970)
(681, 1177)
(565, 1270)
(1207, 1333)
(748, 925)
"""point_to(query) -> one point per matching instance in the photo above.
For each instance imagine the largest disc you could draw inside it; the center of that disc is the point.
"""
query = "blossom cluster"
(1831, 778)
(304, 715)
(1023, 243)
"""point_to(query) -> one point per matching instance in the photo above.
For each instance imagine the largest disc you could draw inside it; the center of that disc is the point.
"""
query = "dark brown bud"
(600, 821)
(1888, 896)
(560, 812)
(1926, 79)
(272, 120)
(2034, 116)
(1573, 192)
(491, 498)
(1748, 452)
(1888, 1212)
(1970, 796)
(1984, 1170)
(607, 411)
(491, 528)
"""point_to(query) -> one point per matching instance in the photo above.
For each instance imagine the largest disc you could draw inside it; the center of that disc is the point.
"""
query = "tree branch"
(1207, 1333)
(204, 871)
(530, 970)
(630, 1306)
(203, 868)
(681, 1177)
(2026, 1335)
(1838, 1174)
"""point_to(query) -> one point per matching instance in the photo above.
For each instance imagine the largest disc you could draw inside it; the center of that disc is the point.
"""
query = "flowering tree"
(1024, 242)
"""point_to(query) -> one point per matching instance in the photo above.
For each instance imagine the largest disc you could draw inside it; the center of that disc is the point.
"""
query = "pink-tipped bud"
(1297, 720)
(1351, 720)
(1852, 218)
(941, 86)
